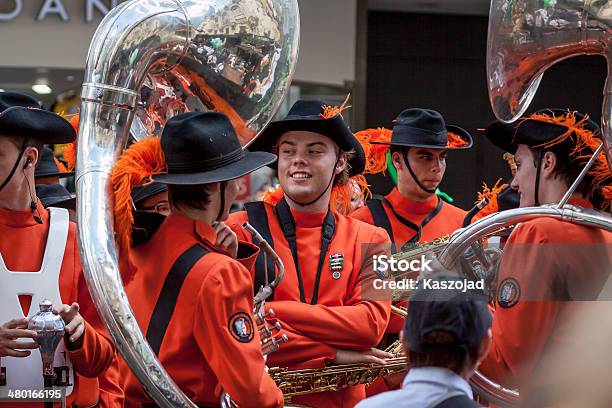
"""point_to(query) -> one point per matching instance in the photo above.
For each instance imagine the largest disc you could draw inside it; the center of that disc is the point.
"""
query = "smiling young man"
(412, 212)
(323, 302)
(548, 265)
(39, 260)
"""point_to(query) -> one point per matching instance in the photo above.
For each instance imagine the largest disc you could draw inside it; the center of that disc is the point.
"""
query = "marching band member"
(193, 301)
(33, 239)
(548, 264)
(324, 302)
(412, 212)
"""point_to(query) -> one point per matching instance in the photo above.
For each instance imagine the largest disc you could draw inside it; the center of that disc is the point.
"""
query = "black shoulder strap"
(287, 223)
(164, 308)
(258, 218)
(381, 219)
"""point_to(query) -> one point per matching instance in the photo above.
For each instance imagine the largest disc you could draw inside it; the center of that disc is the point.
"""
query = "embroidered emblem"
(336, 262)
(509, 293)
(240, 326)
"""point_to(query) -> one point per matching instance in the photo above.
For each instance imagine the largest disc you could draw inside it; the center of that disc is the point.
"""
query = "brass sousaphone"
(148, 61)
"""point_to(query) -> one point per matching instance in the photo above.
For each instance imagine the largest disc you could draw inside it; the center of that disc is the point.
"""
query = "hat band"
(407, 135)
(206, 165)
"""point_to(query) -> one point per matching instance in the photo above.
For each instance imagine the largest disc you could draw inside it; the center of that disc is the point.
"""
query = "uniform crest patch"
(508, 293)
(240, 326)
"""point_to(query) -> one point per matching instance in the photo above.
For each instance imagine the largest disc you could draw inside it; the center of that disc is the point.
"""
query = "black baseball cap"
(463, 314)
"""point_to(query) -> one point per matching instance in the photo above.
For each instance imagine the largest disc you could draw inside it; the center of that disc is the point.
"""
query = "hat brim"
(334, 128)
(56, 174)
(251, 162)
(148, 191)
(462, 133)
(69, 204)
(502, 135)
(44, 126)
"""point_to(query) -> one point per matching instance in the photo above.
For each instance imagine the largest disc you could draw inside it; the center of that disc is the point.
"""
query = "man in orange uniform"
(323, 303)
(548, 264)
(41, 244)
(412, 212)
(193, 301)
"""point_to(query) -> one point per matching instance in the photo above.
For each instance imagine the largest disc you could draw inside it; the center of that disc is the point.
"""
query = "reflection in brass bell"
(50, 329)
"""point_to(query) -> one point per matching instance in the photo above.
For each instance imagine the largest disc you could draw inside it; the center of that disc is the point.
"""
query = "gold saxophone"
(333, 378)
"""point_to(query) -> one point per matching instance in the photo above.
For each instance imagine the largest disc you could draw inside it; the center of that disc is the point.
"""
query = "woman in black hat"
(321, 301)
(32, 239)
(194, 300)
(547, 263)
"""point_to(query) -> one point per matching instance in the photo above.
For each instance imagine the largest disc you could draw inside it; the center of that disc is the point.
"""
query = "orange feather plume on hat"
(69, 151)
(455, 141)
(135, 167)
(491, 194)
(585, 143)
(376, 154)
(331, 111)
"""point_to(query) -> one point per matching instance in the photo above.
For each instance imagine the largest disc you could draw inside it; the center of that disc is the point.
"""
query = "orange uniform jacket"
(449, 219)
(200, 350)
(344, 316)
(546, 264)
(22, 244)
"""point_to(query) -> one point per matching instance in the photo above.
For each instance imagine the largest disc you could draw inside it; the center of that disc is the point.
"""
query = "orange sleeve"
(97, 350)
(299, 349)
(522, 327)
(226, 298)
(111, 393)
(361, 322)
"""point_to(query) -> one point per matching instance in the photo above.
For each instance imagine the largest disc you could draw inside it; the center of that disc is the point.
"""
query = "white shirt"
(422, 386)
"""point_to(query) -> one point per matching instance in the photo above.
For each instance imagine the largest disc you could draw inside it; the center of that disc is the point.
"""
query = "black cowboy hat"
(533, 132)
(46, 166)
(202, 148)
(55, 195)
(141, 193)
(22, 116)
(416, 127)
(308, 116)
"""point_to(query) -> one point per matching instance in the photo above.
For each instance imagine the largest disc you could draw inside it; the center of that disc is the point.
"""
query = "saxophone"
(333, 378)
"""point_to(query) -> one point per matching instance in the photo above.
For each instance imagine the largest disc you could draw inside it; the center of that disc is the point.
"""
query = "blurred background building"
(389, 54)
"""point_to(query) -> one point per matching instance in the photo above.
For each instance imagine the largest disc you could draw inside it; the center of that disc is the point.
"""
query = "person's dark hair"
(188, 197)
(441, 350)
(566, 169)
(342, 178)
(18, 142)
